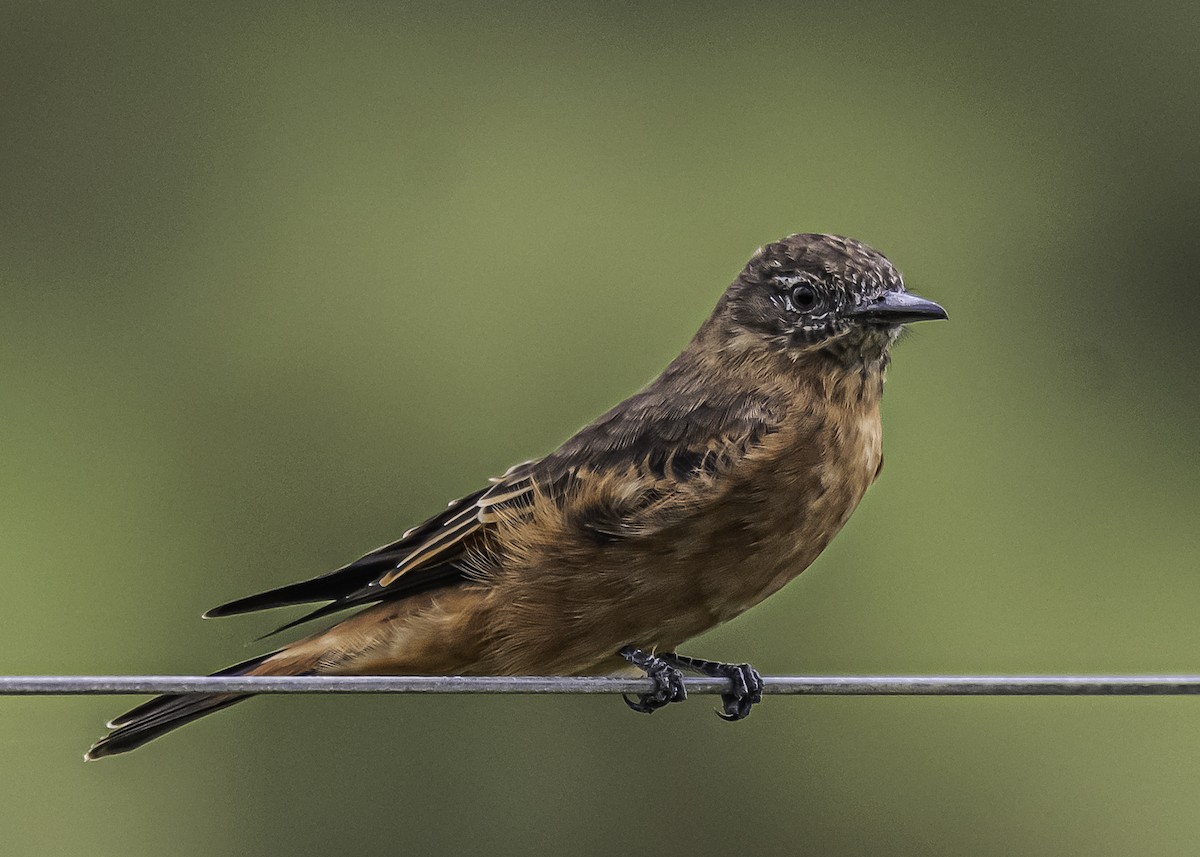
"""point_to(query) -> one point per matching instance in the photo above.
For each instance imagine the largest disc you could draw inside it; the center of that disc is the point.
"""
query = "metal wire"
(895, 685)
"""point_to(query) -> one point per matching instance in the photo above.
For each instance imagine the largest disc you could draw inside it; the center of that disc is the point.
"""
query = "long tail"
(165, 713)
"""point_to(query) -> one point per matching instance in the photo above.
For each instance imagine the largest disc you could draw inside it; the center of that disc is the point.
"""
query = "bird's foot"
(668, 681)
(747, 683)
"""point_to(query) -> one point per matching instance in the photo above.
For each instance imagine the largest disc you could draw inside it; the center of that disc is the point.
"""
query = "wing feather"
(423, 558)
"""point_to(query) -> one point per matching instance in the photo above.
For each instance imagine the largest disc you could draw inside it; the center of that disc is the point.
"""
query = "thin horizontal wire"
(885, 685)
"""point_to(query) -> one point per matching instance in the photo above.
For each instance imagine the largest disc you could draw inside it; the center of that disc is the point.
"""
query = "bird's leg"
(747, 683)
(668, 681)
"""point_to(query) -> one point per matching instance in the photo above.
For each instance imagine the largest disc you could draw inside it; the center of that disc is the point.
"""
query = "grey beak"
(898, 308)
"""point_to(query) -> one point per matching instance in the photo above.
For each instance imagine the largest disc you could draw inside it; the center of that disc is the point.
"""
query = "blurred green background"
(277, 281)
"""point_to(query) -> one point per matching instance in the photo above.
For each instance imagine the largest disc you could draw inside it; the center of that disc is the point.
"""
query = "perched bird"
(675, 511)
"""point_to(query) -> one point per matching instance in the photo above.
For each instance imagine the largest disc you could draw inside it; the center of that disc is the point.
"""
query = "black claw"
(747, 691)
(668, 682)
(747, 684)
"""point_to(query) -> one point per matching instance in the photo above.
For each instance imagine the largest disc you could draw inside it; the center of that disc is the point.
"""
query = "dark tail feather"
(164, 713)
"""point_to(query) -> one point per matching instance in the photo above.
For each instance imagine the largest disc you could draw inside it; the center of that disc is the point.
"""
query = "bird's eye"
(804, 298)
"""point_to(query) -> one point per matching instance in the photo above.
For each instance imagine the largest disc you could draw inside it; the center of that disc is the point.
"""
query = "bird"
(675, 511)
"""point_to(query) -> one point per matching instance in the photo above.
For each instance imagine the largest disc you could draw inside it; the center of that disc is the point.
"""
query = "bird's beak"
(898, 308)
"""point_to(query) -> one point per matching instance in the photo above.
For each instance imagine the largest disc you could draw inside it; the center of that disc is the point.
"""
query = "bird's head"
(812, 295)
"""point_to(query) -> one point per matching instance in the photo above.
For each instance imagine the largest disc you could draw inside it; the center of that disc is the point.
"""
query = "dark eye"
(804, 298)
